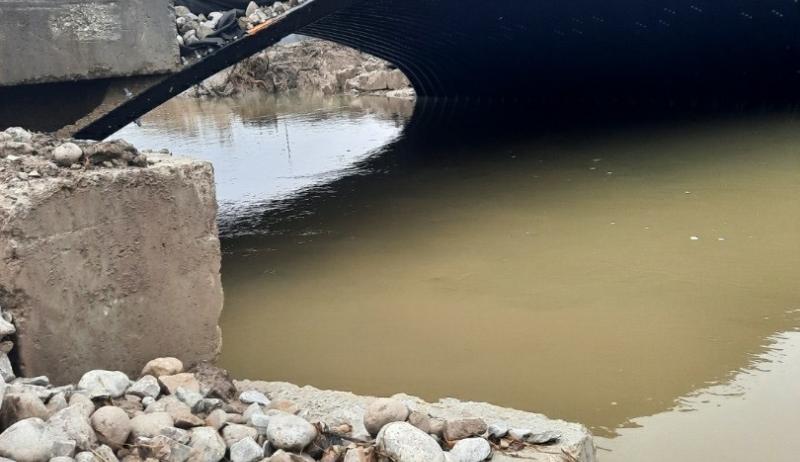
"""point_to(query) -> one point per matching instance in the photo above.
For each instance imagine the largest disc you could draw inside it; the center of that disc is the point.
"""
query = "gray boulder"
(246, 450)
(471, 450)
(104, 384)
(71, 424)
(146, 386)
(150, 425)
(403, 442)
(207, 445)
(27, 441)
(289, 432)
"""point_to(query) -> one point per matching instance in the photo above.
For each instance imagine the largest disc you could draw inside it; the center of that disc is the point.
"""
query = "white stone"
(498, 430)
(72, 424)
(67, 154)
(403, 442)
(63, 448)
(471, 450)
(104, 384)
(253, 396)
(290, 433)
(246, 450)
(145, 386)
(260, 422)
(188, 397)
(83, 402)
(251, 411)
(27, 441)
(150, 425)
(6, 371)
(6, 328)
(207, 445)
(19, 134)
(85, 456)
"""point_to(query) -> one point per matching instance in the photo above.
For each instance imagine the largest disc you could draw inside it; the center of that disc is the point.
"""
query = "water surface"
(616, 276)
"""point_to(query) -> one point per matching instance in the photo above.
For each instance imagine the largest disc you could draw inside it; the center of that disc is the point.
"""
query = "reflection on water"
(753, 417)
(265, 148)
(596, 276)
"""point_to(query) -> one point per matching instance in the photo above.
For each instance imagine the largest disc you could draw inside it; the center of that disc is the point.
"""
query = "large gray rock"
(207, 445)
(104, 384)
(471, 450)
(246, 450)
(403, 442)
(28, 440)
(112, 425)
(150, 425)
(383, 411)
(145, 386)
(71, 424)
(83, 402)
(289, 432)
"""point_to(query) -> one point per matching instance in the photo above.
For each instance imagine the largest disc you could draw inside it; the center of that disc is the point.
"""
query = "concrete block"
(109, 268)
(61, 40)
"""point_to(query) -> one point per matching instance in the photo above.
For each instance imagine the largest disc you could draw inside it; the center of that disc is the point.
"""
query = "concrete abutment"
(109, 268)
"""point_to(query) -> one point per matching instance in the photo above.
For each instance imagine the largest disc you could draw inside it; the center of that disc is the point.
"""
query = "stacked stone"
(27, 155)
(169, 414)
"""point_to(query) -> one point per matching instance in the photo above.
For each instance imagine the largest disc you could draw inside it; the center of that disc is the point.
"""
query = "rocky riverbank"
(171, 414)
(309, 65)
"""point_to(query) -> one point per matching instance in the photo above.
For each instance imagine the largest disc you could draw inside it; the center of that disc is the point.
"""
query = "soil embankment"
(309, 65)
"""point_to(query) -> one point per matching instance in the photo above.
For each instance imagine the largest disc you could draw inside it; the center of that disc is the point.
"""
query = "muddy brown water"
(641, 281)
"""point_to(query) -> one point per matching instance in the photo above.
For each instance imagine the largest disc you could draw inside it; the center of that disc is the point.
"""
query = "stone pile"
(170, 414)
(199, 34)
(26, 155)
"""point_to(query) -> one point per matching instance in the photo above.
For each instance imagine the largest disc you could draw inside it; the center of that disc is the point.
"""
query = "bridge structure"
(566, 54)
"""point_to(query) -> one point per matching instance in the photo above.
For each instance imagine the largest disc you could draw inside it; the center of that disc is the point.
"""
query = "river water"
(640, 279)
